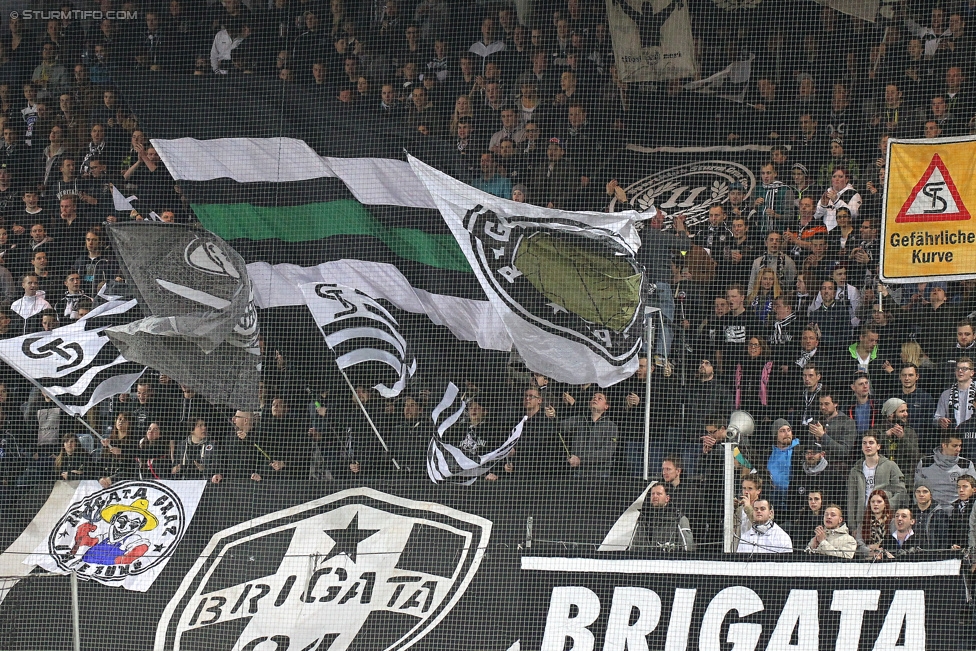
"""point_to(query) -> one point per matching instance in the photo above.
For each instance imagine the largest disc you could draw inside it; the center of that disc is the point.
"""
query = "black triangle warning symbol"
(934, 198)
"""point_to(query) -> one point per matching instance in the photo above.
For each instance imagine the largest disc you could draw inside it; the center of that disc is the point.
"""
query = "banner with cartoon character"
(407, 564)
(122, 535)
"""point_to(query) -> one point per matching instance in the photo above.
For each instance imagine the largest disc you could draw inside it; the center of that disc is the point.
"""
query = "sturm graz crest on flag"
(350, 570)
(77, 364)
(689, 190)
(202, 327)
(363, 335)
(563, 277)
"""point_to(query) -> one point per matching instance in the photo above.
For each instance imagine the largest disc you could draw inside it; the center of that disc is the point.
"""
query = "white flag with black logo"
(77, 365)
(364, 336)
(448, 462)
(203, 328)
(565, 284)
(652, 39)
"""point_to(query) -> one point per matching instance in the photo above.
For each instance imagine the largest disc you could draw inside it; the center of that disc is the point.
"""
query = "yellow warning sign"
(928, 231)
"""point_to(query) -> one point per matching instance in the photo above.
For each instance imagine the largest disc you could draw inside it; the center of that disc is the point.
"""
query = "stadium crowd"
(862, 392)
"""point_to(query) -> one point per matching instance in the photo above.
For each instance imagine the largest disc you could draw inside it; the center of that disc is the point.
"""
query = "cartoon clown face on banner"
(117, 533)
(121, 544)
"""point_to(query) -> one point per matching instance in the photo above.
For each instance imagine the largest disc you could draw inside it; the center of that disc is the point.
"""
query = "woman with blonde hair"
(462, 109)
(760, 299)
(912, 353)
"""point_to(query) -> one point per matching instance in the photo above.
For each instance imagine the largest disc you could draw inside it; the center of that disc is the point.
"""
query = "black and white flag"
(363, 335)
(203, 327)
(448, 462)
(77, 365)
(863, 9)
(652, 39)
(123, 202)
(565, 284)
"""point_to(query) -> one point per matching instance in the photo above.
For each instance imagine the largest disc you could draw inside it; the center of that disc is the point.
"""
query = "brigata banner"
(928, 232)
(496, 566)
(802, 602)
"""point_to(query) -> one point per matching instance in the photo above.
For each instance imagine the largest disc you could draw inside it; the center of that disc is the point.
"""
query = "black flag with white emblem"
(203, 327)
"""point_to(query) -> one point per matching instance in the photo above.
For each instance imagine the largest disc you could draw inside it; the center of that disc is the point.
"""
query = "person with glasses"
(533, 147)
(956, 403)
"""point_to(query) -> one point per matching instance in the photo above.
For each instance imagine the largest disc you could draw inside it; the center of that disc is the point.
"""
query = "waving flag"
(202, 330)
(77, 365)
(652, 39)
(564, 284)
(363, 335)
(367, 223)
(447, 462)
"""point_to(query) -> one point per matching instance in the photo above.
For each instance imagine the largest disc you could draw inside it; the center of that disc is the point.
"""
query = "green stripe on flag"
(316, 221)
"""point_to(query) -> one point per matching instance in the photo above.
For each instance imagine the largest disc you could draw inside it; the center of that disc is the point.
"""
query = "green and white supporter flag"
(366, 223)
(377, 226)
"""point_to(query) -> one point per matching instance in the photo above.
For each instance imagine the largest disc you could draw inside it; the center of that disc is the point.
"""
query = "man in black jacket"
(662, 527)
(815, 472)
(931, 520)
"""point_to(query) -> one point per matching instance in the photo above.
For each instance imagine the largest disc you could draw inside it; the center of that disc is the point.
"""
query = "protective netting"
(452, 324)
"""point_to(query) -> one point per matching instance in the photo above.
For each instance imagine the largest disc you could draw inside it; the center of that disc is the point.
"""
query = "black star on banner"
(348, 539)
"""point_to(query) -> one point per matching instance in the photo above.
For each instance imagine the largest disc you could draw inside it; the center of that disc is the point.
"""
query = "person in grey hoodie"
(941, 469)
(874, 472)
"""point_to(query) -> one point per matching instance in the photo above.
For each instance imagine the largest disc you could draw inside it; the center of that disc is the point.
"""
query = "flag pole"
(61, 406)
(368, 419)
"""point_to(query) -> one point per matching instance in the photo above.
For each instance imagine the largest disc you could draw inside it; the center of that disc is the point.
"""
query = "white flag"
(76, 364)
(447, 462)
(651, 39)
(120, 536)
(364, 336)
(565, 284)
